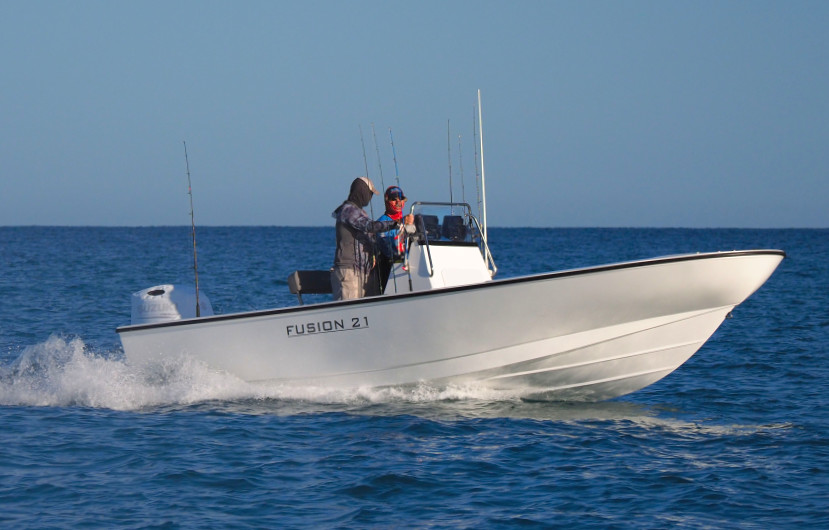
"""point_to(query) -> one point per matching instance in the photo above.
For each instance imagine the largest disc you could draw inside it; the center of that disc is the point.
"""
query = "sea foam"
(64, 371)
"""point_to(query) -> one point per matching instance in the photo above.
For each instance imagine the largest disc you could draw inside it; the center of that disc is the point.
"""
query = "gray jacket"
(355, 237)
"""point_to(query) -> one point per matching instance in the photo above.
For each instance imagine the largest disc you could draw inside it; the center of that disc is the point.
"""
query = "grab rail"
(483, 245)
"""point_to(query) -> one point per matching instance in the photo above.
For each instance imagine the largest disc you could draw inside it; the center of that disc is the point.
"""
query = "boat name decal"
(326, 326)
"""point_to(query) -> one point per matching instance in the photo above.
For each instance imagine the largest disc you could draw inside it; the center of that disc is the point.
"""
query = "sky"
(595, 113)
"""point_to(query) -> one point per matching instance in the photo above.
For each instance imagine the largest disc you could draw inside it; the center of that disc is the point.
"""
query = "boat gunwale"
(383, 299)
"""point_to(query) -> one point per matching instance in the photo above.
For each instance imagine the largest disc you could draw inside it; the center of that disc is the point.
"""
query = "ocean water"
(738, 437)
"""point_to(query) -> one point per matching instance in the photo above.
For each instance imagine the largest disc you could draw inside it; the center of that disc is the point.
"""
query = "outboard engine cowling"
(164, 303)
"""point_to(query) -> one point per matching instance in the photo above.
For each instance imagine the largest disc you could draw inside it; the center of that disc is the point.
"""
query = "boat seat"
(427, 226)
(453, 228)
(309, 282)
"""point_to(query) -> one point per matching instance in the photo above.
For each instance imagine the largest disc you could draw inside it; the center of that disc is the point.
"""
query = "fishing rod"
(193, 226)
(379, 165)
(365, 163)
(394, 157)
(397, 183)
(449, 151)
(460, 162)
(374, 271)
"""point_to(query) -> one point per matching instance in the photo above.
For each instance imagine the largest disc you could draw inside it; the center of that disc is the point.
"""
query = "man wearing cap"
(392, 243)
(354, 257)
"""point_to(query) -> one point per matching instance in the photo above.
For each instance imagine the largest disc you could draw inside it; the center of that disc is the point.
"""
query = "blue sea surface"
(738, 437)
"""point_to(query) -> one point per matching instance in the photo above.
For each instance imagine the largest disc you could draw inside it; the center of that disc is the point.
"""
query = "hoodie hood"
(360, 193)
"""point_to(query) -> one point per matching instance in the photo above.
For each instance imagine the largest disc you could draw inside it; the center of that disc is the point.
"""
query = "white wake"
(65, 372)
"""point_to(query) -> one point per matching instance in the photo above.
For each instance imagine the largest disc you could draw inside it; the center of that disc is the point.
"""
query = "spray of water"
(65, 372)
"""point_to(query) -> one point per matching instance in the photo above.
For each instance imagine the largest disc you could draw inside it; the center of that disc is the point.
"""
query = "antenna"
(193, 225)
(483, 181)
(475, 157)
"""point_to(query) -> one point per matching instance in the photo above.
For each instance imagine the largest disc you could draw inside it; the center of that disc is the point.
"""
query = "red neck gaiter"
(393, 214)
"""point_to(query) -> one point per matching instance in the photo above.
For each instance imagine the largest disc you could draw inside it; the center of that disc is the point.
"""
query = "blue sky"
(639, 113)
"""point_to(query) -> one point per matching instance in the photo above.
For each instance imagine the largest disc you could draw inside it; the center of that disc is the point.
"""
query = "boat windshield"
(445, 222)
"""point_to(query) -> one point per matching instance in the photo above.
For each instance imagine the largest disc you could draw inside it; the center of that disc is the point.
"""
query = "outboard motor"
(164, 303)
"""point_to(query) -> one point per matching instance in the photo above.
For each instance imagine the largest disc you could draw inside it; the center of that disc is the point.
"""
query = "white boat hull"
(589, 334)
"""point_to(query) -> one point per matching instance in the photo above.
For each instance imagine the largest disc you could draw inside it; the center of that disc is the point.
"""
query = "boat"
(587, 334)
